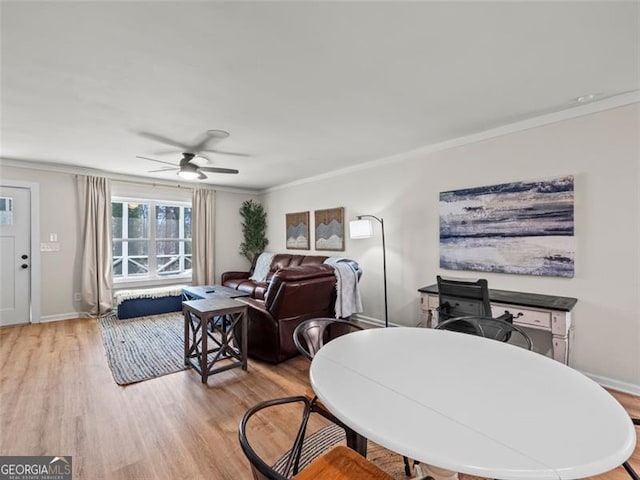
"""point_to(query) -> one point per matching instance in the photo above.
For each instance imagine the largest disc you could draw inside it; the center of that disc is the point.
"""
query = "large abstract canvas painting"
(521, 227)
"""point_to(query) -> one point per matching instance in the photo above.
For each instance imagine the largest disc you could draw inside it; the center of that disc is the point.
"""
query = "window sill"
(148, 282)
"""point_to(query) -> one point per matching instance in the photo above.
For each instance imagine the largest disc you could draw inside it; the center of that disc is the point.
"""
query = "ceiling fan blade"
(163, 170)
(218, 170)
(154, 160)
(222, 152)
(161, 139)
(201, 176)
(173, 151)
(208, 136)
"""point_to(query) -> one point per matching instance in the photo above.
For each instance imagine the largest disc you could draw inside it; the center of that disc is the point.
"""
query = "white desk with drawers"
(530, 310)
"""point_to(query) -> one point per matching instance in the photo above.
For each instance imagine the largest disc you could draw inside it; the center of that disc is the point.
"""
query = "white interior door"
(15, 255)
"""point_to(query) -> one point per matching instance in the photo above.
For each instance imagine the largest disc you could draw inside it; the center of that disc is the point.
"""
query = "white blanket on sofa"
(261, 270)
(348, 299)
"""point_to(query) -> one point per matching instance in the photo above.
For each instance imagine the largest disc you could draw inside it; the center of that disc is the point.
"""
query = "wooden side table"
(210, 327)
(200, 292)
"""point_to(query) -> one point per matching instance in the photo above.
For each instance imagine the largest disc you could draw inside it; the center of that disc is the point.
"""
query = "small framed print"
(297, 230)
(329, 225)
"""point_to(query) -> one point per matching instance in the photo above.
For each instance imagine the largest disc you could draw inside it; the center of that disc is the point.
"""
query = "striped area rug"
(327, 437)
(142, 348)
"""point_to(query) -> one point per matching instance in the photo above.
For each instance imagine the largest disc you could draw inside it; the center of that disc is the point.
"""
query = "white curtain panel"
(202, 217)
(95, 230)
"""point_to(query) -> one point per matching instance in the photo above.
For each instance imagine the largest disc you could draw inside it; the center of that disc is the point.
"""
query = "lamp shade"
(360, 228)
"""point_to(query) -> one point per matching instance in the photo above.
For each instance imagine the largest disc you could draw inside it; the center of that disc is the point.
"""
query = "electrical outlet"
(50, 247)
(77, 297)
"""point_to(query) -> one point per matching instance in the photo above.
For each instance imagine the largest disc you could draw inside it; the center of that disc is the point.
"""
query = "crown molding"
(608, 103)
(76, 170)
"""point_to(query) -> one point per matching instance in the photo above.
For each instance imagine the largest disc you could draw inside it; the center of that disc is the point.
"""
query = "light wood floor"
(57, 397)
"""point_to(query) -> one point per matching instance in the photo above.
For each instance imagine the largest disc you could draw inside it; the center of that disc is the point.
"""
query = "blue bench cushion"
(148, 301)
(139, 307)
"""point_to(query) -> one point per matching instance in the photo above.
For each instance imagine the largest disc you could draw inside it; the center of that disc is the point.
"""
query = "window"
(6, 211)
(151, 239)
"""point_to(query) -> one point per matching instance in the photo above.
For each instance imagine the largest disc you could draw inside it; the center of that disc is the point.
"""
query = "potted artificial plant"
(254, 226)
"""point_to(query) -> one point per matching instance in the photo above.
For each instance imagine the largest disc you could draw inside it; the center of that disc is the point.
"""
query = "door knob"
(24, 265)
(24, 257)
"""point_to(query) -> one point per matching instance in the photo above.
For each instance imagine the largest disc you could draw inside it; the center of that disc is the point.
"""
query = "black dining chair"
(488, 327)
(307, 457)
(627, 466)
(309, 337)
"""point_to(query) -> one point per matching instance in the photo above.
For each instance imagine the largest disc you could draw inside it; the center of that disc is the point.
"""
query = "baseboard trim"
(63, 316)
(375, 321)
(365, 319)
(614, 384)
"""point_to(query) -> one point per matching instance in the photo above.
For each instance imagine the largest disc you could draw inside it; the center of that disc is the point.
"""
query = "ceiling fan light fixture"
(189, 174)
(188, 171)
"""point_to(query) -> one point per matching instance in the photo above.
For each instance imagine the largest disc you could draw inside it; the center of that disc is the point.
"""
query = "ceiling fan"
(188, 168)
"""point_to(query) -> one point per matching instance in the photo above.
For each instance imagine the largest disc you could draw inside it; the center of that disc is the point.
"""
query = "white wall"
(229, 233)
(601, 150)
(60, 272)
(58, 214)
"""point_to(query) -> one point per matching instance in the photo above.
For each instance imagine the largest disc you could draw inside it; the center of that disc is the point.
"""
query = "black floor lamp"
(362, 228)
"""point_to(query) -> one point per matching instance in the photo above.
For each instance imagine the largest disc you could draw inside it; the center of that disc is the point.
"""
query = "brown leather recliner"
(294, 294)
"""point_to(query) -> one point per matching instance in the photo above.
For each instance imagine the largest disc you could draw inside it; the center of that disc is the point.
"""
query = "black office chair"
(493, 328)
(463, 298)
(460, 298)
(627, 466)
(339, 462)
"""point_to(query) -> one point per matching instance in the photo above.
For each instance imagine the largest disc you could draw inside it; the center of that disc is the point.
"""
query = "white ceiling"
(304, 88)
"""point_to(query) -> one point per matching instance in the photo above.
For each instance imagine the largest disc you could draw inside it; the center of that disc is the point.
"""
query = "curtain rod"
(150, 183)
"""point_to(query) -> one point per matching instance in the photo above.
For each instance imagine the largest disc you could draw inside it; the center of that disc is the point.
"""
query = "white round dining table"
(472, 405)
